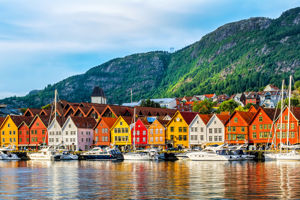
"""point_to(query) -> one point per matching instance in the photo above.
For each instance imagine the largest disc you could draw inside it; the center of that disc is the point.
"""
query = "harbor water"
(149, 180)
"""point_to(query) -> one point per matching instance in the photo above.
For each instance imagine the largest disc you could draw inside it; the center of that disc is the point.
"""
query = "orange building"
(102, 131)
(293, 124)
(237, 127)
(261, 127)
(38, 130)
(23, 129)
(157, 133)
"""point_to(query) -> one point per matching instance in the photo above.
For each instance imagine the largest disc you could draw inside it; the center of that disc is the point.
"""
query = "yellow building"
(178, 129)
(157, 133)
(9, 131)
(120, 131)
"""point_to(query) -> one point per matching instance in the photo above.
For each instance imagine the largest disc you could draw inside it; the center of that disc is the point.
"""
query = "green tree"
(294, 102)
(229, 105)
(46, 106)
(297, 84)
(149, 103)
(203, 107)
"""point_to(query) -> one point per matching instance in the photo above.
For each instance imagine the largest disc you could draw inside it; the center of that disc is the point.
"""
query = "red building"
(141, 130)
(38, 130)
(294, 127)
(102, 131)
(261, 127)
(23, 129)
(252, 98)
(237, 127)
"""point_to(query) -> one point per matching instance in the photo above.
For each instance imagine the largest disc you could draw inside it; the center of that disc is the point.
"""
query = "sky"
(43, 42)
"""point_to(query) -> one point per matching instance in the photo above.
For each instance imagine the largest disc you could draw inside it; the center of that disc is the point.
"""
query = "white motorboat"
(66, 155)
(99, 153)
(150, 154)
(182, 156)
(211, 155)
(46, 153)
(6, 154)
(292, 155)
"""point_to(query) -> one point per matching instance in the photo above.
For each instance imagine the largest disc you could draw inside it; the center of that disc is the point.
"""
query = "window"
(220, 138)
(14, 132)
(254, 127)
(161, 139)
(215, 122)
(123, 130)
(121, 123)
(243, 129)
(180, 137)
(286, 118)
(260, 126)
(201, 137)
(27, 139)
(126, 130)
(180, 129)
(43, 132)
(260, 119)
(210, 130)
(184, 129)
(254, 135)
(196, 129)
(229, 128)
(37, 124)
(20, 139)
(172, 129)
(265, 126)
(3, 139)
(235, 119)
(151, 139)
(151, 131)
(144, 132)
(9, 132)
(116, 138)
(138, 132)
(184, 138)
(216, 130)
(144, 139)
(8, 125)
(233, 128)
(138, 140)
(292, 126)
(81, 139)
(161, 131)
(210, 138)
(216, 138)
(67, 140)
(192, 129)
(96, 139)
(172, 137)
(57, 140)
(201, 129)
(69, 125)
(20, 132)
(27, 132)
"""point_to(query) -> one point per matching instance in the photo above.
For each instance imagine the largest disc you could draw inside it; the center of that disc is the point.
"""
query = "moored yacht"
(6, 154)
(148, 154)
(211, 155)
(99, 153)
(46, 153)
(66, 155)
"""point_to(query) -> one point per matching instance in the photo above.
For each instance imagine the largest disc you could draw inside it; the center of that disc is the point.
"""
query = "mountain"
(239, 56)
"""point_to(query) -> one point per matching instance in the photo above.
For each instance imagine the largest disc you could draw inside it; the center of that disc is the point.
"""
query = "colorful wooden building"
(198, 130)
(24, 136)
(261, 129)
(237, 127)
(178, 129)
(139, 133)
(102, 131)
(38, 131)
(157, 133)
(293, 125)
(120, 131)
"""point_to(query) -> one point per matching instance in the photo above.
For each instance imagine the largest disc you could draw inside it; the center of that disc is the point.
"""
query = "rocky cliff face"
(239, 56)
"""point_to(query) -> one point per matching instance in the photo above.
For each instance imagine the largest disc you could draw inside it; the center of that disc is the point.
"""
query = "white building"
(98, 96)
(55, 136)
(216, 128)
(197, 130)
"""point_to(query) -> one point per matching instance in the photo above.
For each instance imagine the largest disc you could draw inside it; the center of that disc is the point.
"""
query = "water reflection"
(146, 180)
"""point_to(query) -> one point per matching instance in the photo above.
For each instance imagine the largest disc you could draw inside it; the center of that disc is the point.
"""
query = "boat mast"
(289, 107)
(134, 132)
(281, 115)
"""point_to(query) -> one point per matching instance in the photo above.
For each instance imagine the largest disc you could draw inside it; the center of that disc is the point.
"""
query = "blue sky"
(43, 42)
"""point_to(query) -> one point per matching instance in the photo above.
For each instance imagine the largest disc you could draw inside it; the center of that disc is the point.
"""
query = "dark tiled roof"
(296, 112)
(17, 119)
(149, 111)
(98, 92)
(128, 119)
(163, 122)
(1, 120)
(188, 116)
(33, 111)
(84, 122)
(271, 112)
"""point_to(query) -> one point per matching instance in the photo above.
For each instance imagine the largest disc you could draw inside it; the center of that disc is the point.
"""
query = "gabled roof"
(83, 122)
(205, 117)
(149, 111)
(27, 121)
(296, 112)
(97, 108)
(127, 119)
(32, 112)
(1, 120)
(45, 111)
(44, 119)
(247, 116)
(109, 121)
(270, 112)
(144, 121)
(223, 118)
(83, 110)
(17, 119)
(188, 116)
(117, 110)
(163, 122)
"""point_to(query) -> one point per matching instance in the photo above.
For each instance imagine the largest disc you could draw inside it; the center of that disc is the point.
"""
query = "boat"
(212, 155)
(150, 154)
(98, 153)
(6, 154)
(182, 156)
(67, 155)
(46, 153)
(240, 150)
